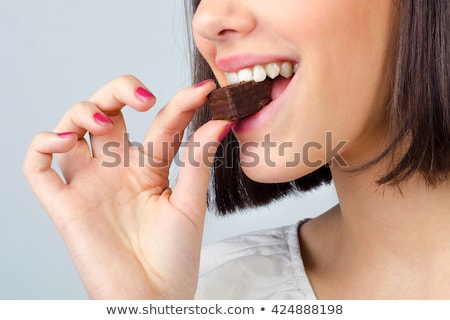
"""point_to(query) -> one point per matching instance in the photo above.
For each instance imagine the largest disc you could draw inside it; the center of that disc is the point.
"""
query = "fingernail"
(225, 132)
(102, 119)
(201, 84)
(143, 94)
(65, 134)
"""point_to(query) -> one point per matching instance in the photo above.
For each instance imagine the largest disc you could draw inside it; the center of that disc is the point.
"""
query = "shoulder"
(259, 265)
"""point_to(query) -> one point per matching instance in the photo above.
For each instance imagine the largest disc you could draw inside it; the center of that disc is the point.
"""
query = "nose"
(220, 20)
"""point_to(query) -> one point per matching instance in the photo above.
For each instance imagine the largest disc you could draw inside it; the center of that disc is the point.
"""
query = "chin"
(276, 173)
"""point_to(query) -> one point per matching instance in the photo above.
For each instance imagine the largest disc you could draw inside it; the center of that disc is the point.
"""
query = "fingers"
(102, 117)
(111, 98)
(125, 90)
(86, 116)
(190, 192)
(37, 166)
(166, 131)
(83, 117)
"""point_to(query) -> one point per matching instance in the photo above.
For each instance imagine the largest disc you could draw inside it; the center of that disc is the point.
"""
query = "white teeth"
(232, 77)
(245, 75)
(259, 73)
(273, 70)
(287, 70)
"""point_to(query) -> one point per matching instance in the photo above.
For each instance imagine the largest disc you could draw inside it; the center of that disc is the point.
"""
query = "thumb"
(190, 193)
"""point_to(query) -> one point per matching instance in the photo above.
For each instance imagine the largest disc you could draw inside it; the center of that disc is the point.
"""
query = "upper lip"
(238, 62)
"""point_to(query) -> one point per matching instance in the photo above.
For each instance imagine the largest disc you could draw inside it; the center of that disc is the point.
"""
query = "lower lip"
(263, 116)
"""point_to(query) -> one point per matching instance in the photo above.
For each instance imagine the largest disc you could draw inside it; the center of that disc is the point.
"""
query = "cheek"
(343, 91)
(345, 68)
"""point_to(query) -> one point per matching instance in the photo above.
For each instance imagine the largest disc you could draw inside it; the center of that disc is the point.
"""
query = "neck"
(380, 242)
(413, 219)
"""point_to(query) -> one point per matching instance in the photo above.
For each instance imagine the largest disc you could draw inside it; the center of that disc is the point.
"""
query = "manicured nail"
(143, 94)
(201, 84)
(225, 132)
(102, 119)
(65, 134)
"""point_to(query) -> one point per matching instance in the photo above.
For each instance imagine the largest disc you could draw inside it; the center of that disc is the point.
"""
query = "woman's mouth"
(281, 75)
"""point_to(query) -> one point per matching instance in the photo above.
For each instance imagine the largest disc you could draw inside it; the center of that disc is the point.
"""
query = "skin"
(342, 50)
(127, 239)
(139, 239)
(377, 243)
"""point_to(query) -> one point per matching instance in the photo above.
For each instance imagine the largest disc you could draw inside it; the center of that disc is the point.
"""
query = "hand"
(130, 236)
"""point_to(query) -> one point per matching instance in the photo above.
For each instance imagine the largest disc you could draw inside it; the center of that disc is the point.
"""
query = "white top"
(255, 266)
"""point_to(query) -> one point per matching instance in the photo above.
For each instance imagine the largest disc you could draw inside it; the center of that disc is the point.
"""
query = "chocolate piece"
(239, 100)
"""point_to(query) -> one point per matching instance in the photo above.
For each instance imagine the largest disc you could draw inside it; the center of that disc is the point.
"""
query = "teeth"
(232, 77)
(273, 70)
(259, 73)
(287, 70)
(245, 75)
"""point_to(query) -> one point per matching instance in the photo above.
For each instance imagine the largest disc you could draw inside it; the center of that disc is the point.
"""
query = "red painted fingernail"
(102, 119)
(143, 94)
(65, 134)
(201, 84)
(225, 132)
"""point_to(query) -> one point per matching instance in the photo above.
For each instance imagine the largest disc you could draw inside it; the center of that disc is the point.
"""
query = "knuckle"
(25, 168)
(27, 164)
(36, 140)
(127, 78)
(81, 106)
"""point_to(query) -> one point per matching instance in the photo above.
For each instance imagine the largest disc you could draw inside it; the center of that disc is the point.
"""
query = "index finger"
(170, 123)
(113, 96)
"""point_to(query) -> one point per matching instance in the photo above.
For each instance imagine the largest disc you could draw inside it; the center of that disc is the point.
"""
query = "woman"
(370, 93)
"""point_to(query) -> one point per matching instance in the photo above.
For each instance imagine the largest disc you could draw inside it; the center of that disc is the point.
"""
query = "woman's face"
(335, 103)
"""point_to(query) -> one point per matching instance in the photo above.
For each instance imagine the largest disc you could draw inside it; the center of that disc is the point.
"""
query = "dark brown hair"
(419, 114)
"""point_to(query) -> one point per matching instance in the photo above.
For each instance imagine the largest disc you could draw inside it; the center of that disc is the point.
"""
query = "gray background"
(55, 53)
